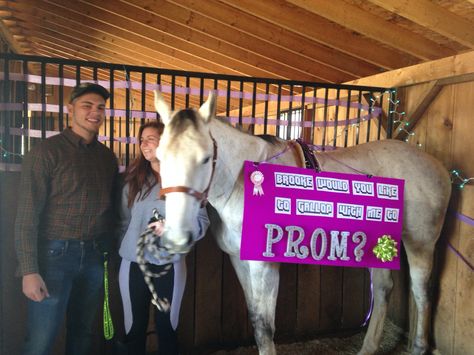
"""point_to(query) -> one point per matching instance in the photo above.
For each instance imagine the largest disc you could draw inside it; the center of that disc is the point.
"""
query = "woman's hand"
(158, 227)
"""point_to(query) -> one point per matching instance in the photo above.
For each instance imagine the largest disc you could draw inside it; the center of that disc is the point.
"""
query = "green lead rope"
(108, 324)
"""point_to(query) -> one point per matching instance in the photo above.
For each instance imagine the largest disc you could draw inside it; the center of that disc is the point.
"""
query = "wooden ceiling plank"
(138, 16)
(65, 35)
(101, 48)
(434, 17)
(59, 27)
(209, 26)
(161, 35)
(17, 47)
(106, 28)
(255, 26)
(92, 30)
(190, 14)
(92, 51)
(295, 19)
(63, 27)
(6, 13)
(356, 19)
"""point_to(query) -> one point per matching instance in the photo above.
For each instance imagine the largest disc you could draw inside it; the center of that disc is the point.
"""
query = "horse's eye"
(206, 160)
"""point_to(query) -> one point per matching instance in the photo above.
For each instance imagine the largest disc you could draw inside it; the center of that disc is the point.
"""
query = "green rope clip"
(386, 248)
(108, 324)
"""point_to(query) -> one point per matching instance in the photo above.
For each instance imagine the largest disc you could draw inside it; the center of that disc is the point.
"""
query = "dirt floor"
(393, 343)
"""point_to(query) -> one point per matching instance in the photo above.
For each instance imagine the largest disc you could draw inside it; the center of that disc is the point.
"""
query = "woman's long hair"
(139, 175)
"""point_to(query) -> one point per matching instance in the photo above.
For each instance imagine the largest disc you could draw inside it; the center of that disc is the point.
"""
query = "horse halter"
(200, 196)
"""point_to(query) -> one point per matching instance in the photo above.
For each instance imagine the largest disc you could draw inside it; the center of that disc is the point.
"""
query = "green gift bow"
(386, 248)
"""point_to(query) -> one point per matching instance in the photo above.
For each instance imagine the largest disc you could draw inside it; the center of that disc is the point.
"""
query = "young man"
(63, 224)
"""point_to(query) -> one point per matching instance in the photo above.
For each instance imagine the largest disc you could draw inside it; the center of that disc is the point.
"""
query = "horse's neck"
(233, 148)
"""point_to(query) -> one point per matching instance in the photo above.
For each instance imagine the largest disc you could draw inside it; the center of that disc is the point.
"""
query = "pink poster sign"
(297, 215)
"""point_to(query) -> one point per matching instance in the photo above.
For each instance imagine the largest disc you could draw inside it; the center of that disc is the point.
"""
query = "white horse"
(202, 159)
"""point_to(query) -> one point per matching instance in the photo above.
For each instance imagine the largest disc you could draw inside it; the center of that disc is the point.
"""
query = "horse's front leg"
(383, 284)
(259, 281)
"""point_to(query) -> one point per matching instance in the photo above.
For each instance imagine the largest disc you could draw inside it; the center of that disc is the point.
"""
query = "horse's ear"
(162, 107)
(208, 109)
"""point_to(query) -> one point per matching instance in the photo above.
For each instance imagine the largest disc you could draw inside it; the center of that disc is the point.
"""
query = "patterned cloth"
(66, 192)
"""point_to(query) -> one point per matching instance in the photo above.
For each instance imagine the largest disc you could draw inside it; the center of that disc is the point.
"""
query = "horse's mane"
(185, 117)
(266, 137)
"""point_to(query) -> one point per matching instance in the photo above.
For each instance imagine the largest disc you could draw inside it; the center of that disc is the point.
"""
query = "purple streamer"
(460, 256)
(127, 84)
(465, 219)
(371, 306)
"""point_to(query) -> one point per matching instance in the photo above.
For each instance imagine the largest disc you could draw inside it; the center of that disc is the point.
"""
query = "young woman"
(139, 198)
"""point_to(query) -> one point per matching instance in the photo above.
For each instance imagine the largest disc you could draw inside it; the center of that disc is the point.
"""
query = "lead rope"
(149, 241)
(108, 324)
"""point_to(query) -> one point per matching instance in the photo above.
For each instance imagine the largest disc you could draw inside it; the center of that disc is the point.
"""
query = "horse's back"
(427, 181)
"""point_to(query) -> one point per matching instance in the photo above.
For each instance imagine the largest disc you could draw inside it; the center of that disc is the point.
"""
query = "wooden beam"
(435, 17)
(425, 101)
(356, 19)
(12, 43)
(458, 65)
(319, 29)
(463, 78)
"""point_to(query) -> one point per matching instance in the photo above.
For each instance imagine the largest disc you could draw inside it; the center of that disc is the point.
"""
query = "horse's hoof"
(419, 350)
(365, 352)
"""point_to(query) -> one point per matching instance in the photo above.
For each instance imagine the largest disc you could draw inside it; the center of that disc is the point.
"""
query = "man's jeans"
(73, 272)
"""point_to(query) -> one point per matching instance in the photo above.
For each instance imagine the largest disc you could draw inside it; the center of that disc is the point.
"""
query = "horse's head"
(187, 154)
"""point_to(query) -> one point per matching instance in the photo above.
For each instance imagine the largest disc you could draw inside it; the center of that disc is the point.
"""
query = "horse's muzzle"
(169, 241)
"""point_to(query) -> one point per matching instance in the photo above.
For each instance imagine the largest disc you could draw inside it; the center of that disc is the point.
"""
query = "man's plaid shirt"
(66, 192)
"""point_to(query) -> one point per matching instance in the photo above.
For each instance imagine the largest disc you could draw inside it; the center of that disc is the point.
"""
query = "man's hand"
(34, 287)
(158, 227)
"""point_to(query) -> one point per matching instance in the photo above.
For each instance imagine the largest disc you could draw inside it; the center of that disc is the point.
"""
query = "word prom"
(327, 218)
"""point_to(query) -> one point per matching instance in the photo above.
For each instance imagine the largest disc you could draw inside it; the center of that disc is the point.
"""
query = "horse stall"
(313, 301)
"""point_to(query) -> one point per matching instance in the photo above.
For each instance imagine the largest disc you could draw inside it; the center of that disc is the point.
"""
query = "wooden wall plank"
(439, 119)
(464, 321)
(463, 146)
(208, 297)
(234, 320)
(331, 297)
(353, 296)
(186, 316)
(285, 318)
(445, 280)
(308, 299)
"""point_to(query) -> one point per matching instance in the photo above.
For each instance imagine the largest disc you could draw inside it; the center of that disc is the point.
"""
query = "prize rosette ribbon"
(257, 179)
